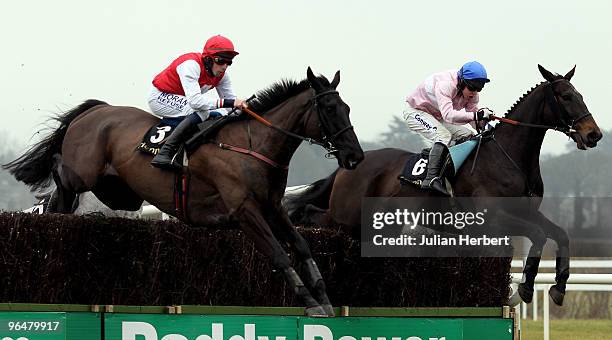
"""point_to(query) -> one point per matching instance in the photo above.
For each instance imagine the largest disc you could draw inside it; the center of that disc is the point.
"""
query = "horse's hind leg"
(116, 194)
(314, 280)
(516, 226)
(63, 198)
(70, 181)
(315, 216)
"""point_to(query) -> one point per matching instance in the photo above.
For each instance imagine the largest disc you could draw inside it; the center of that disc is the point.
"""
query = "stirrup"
(437, 184)
(404, 180)
(172, 164)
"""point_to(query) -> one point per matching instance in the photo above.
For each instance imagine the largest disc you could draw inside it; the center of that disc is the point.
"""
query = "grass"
(568, 329)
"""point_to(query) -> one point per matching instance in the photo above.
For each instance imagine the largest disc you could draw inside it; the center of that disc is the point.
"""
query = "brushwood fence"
(89, 260)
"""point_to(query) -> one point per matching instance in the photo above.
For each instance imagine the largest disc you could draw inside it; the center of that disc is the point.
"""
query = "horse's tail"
(316, 194)
(34, 167)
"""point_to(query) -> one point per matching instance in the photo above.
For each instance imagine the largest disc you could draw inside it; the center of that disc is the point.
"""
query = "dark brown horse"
(507, 166)
(94, 150)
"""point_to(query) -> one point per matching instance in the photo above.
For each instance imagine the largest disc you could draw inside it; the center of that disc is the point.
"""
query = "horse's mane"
(522, 98)
(280, 91)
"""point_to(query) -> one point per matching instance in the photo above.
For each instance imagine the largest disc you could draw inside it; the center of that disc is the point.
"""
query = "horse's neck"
(289, 116)
(523, 144)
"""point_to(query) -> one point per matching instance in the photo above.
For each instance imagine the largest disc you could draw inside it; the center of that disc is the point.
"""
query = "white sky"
(56, 54)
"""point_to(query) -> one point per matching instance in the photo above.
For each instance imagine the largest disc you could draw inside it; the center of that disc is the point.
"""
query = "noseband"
(556, 108)
(328, 141)
(560, 111)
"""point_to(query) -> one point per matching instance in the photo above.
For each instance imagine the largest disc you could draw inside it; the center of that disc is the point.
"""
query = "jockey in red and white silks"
(178, 91)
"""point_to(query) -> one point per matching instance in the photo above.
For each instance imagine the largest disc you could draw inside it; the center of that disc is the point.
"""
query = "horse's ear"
(336, 80)
(314, 81)
(570, 74)
(546, 74)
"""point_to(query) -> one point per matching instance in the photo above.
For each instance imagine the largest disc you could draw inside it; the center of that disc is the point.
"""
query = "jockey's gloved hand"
(241, 103)
(484, 114)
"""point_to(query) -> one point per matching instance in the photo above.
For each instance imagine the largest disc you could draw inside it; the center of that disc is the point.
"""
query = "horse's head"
(333, 124)
(567, 109)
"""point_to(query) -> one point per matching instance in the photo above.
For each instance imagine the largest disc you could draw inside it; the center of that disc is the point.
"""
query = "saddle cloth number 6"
(419, 167)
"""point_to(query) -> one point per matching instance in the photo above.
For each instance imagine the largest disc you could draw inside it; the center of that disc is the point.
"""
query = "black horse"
(507, 166)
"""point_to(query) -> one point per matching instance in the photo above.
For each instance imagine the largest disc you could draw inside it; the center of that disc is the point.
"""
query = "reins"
(326, 143)
(566, 129)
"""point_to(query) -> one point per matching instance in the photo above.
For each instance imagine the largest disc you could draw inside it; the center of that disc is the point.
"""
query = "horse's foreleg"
(562, 267)
(530, 271)
(517, 226)
(254, 225)
(314, 279)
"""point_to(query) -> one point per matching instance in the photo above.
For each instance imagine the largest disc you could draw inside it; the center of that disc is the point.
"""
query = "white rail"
(549, 278)
(582, 264)
(576, 282)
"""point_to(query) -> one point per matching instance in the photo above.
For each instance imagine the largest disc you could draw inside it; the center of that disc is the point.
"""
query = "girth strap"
(181, 189)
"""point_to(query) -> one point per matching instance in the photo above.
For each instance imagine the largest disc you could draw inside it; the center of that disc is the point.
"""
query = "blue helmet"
(473, 70)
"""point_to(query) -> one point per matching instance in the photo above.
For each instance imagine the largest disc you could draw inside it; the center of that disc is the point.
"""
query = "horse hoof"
(525, 293)
(329, 310)
(315, 312)
(556, 295)
(514, 299)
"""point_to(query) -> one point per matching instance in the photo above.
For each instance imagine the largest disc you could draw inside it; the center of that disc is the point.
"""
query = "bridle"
(326, 142)
(553, 102)
(566, 128)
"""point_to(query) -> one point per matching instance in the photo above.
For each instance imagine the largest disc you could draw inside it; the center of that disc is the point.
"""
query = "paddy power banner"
(201, 327)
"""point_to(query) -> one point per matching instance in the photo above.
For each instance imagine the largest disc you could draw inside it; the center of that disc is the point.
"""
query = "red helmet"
(219, 44)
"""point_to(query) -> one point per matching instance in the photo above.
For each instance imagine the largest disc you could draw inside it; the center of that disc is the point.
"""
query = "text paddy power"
(131, 330)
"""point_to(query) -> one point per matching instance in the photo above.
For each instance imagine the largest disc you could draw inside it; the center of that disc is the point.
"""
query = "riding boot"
(433, 179)
(165, 159)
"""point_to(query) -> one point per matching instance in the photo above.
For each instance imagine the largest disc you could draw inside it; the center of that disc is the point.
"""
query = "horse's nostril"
(355, 160)
(594, 136)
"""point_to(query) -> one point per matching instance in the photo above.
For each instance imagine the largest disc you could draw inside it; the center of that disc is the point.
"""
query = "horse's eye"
(566, 97)
(329, 109)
